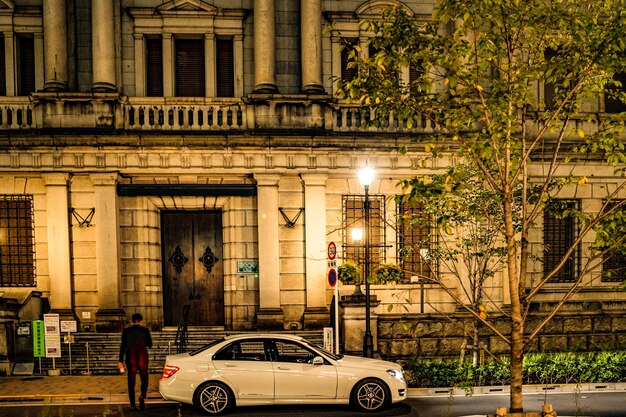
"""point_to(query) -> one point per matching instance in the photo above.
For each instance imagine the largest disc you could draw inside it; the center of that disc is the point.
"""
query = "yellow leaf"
(582, 181)
(377, 100)
(580, 133)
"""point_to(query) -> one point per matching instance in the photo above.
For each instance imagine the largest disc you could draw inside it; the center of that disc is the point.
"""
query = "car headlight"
(396, 374)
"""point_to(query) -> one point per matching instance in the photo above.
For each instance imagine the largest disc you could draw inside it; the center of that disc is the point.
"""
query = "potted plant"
(386, 273)
(348, 272)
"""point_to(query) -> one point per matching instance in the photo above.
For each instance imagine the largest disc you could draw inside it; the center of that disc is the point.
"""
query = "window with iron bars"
(559, 233)
(353, 218)
(17, 257)
(614, 262)
(416, 239)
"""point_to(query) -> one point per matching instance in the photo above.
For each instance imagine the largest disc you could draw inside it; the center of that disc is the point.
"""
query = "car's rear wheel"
(214, 398)
(371, 395)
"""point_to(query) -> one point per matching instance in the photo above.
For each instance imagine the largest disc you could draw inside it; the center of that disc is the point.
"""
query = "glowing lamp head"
(366, 176)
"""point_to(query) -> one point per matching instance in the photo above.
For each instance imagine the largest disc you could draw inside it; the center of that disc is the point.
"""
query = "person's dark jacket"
(136, 340)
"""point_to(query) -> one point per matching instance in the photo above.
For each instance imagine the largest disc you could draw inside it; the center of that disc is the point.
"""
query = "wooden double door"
(193, 274)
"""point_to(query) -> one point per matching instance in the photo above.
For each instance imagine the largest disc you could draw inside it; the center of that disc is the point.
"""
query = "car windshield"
(205, 347)
(324, 351)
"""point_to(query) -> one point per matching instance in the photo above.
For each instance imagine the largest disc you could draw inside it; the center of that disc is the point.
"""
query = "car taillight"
(169, 370)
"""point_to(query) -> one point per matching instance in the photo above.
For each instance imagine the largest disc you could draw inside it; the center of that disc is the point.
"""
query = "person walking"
(136, 340)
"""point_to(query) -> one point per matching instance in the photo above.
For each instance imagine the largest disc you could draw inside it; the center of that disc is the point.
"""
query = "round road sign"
(332, 277)
(332, 250)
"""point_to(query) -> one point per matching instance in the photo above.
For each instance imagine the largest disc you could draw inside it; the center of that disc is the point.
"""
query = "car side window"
(292, 352)
(251, 350)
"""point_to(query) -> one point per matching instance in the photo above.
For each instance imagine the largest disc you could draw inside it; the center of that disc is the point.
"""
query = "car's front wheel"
(214, 398)
(371, 395)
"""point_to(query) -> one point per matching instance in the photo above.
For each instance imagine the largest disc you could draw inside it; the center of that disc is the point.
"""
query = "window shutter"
(347, 74)
(3, 73)
(154, 67)
(26, 65)
(549, 88)
(612, 104)
(225, 68)
(190, 68)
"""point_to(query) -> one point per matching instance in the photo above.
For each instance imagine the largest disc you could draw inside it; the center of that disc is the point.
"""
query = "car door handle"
(282, 368)
(228, 365)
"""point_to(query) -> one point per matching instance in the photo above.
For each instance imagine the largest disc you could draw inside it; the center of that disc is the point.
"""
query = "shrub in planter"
(348, 272)
(386, 273)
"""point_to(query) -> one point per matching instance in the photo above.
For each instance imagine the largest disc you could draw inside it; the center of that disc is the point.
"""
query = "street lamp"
(366, 175)
(357, 235)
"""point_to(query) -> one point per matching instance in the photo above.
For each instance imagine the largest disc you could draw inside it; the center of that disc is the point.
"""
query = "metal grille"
(416, 239)
(613, 264)
(354, 217)
(17, 258)
(559, 234)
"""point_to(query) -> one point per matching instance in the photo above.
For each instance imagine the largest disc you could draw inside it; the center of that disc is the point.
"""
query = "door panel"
(192, 267)
(296, 377)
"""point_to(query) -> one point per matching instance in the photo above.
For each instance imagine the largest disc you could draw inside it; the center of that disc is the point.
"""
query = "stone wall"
(436, 335)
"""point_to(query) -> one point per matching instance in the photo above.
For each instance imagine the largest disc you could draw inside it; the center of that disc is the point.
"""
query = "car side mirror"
(318, 360)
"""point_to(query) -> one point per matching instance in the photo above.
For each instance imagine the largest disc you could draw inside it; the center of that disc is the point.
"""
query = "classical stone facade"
(118, 116)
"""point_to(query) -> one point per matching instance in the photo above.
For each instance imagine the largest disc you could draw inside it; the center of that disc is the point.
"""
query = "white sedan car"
(257, 369)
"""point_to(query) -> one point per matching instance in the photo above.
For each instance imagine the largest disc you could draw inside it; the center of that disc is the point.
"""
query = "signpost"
(52, 337)
(69, 326)
(332, 281)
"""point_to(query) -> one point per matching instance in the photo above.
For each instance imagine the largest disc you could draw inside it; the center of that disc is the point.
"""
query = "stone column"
(238, 58)
(209, 64)
(140, 66)
(270, 314)
(9, 56)
(264, 47)
(39, 57)
(168, 65)
(109, 317)
(55, 44)
(316, 315)
(103, 45)
(311, 43)
(59, 268)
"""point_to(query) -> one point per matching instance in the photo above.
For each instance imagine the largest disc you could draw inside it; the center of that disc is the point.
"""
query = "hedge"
(538, 368)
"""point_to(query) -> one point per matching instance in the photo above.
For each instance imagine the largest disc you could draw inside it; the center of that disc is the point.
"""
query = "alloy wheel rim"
(214, 399)
(371, 396)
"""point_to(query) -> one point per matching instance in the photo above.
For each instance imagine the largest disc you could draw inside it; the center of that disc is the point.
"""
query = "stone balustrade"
(261, 112)
(163, 114)
(16, 113)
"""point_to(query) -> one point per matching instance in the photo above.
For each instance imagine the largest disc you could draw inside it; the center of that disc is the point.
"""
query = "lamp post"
(366, 175)
(357, 235)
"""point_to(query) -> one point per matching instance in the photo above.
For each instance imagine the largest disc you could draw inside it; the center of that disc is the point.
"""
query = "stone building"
(160, 154)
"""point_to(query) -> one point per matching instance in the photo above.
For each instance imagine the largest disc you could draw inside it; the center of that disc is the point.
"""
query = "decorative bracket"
(83, 221)
(290, 223)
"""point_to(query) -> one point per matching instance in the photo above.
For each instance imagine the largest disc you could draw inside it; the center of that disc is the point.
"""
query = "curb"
(73, 398)
(505, 389)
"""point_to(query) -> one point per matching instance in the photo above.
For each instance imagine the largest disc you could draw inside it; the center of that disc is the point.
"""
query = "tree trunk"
(517, 321)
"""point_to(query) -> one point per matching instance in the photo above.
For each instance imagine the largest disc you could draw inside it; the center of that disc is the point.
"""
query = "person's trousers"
(132, 370)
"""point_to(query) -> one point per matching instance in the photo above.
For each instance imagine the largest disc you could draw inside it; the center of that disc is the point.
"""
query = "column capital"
(314, 179)
(104, 178)
(56, 178)
(265, 180)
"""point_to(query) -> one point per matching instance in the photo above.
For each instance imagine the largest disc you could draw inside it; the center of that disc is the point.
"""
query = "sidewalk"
(72, 388)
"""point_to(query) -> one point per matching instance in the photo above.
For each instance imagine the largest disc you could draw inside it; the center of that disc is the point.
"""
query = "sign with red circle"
(332, 277)
(332, 250)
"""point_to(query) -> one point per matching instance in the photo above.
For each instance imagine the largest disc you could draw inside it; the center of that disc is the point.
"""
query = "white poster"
(52, 335)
